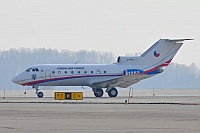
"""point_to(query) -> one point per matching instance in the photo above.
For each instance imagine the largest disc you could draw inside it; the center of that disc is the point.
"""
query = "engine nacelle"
(160, 69)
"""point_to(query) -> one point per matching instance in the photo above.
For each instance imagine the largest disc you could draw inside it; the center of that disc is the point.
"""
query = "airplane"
(124, 73)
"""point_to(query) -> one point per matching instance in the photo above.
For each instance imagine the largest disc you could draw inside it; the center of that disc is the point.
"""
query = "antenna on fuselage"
(76, 62)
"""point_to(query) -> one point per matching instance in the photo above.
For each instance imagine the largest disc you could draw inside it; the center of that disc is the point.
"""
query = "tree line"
(14, 61)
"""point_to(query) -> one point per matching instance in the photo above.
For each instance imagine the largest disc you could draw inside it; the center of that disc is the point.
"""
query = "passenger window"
(85, 72)
(104, 71)
(72, 72)
(79, 72)
(65, 72)
(53, 72)
(33, 69)
(91, 71)
(37, 69)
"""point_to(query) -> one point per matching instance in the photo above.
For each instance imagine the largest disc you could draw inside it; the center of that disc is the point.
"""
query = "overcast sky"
(118, 26)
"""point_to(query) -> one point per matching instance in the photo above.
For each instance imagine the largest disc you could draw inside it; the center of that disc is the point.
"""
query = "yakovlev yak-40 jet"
(124, 73)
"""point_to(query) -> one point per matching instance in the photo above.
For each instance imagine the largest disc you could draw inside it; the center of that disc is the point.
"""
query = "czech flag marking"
(156, 53)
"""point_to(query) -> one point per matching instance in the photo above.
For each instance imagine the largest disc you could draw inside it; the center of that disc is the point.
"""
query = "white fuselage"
(71, 75)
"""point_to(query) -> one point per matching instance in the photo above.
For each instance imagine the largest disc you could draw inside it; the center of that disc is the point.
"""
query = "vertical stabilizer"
(162, 52)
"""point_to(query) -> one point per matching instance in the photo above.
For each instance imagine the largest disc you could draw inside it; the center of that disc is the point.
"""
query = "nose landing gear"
(39, 94)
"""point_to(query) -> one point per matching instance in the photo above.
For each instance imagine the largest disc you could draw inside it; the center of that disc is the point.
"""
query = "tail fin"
(162, 52)
(158, 55)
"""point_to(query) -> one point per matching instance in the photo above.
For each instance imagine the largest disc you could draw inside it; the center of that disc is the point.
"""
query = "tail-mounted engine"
(160, 69)
(128, 60)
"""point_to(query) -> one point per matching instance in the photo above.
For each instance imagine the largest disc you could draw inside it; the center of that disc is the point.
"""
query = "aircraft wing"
(122, 81)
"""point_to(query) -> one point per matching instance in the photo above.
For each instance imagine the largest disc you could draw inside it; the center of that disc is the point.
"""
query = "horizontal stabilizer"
(179, 40)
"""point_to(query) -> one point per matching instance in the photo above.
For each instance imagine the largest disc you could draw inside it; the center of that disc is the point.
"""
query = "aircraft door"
(98, 72)
(47, 74)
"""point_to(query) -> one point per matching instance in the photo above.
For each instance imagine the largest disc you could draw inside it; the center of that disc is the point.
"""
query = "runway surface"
(184, 100)
(162, 96)
(98, 118)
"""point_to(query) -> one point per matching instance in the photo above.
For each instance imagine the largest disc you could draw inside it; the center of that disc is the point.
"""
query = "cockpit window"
(32, 69)
(29, 70)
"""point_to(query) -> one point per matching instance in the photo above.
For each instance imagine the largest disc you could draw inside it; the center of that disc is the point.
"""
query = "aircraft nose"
(16, 79)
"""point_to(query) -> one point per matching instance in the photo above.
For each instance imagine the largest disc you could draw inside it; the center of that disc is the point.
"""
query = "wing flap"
(123, 81)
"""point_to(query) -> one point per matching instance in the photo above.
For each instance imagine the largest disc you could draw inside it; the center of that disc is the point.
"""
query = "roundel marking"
(156, 53)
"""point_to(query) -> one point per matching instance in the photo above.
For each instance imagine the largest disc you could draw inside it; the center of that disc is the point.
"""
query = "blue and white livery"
(124, 73)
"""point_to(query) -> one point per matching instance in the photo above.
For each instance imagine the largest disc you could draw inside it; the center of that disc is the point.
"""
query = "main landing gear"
(112, 92)
(39, 94)
(98, 92)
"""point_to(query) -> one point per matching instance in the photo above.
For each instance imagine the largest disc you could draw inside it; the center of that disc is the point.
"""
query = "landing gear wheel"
(113, 92)
(98, 93)
(40, 95)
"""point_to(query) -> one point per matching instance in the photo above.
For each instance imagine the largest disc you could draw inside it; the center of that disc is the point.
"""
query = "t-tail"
(158, 55)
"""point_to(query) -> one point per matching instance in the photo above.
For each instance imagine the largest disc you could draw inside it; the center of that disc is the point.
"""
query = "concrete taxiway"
(98, 118)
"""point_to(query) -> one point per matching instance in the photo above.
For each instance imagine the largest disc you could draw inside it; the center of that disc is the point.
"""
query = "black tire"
(98, 93)
(113, 92)
(40, 95)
